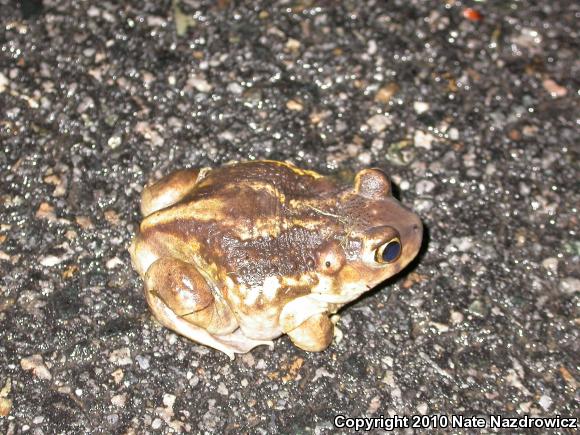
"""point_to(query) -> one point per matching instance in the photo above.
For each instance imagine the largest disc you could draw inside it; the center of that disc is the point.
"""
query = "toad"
(235, 256)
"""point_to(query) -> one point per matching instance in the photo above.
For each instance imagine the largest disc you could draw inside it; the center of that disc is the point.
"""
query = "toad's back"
(248, 220)
(252, 199)
(285, 179)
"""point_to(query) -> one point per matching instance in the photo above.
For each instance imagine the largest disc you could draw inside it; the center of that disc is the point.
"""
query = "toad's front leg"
(307, 323)
(181, 300)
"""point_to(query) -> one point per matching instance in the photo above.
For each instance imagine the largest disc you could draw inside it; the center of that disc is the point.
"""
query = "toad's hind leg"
(168, 190)
(182, 301)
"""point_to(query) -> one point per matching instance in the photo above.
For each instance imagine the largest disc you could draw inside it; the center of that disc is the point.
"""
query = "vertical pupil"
(391, 251)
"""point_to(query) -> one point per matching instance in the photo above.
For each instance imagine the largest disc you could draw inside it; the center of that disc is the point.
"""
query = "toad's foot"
(239, 343)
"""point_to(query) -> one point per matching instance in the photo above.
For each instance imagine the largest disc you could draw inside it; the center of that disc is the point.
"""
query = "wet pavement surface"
(471, 108)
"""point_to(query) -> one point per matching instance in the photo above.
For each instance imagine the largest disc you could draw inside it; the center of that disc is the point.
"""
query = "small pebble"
(524, 189)
(235, 88)
(46, 211)
(294, 105)
(35, 363)
(462, 244)
(222, 389)
(365, 158)
(353, 149)
(156, 423)
(248, 359)
(551, 264)
(389, 379)
(423, 140)
(377, 144)
(422, 205)
(89, 52)
(93, 11)
(143, 361)
(528, 38)
(169, 400)
(3, 83)
(422, 408)
(5, 406)
(456, 317)
(388, 360)
(424, 186)
(554, 88)
(570, 285)
(51, 260)
(119, 400)
(478, 308)
(320, 372)
(114, 262)
(293, 44)
(374, 405)
(396, 393)
(545, 402)
(453, 133)
(118, 376)
(156, 21)
(387, 92)
(440, 327)
(112, 217)
(420, 107)
(199, 83)
(114, 142)
(379, 123)
(121, 356)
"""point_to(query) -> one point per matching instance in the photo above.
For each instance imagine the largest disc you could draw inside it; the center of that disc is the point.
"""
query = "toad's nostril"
(415, 228)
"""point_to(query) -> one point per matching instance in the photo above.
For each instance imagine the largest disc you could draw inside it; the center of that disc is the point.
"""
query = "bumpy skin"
(236, 256)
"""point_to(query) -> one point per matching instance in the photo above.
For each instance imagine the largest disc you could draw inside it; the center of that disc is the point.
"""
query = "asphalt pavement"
(470, 107)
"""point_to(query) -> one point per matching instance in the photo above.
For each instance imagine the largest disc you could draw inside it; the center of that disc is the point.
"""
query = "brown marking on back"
(289, 180)
(251, 261)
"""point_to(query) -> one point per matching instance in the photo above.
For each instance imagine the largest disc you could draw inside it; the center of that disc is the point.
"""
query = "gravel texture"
(472, 112)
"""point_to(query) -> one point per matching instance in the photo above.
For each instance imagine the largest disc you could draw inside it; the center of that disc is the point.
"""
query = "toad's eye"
(388, 252)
